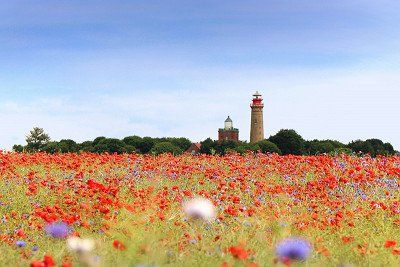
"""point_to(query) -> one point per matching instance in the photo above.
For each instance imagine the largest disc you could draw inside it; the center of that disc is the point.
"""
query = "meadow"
(127, 210)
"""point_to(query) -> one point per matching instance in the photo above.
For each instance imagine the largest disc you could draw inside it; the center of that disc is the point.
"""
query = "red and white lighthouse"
(257, 121)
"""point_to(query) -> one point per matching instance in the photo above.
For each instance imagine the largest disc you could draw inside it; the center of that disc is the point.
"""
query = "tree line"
(286, 141)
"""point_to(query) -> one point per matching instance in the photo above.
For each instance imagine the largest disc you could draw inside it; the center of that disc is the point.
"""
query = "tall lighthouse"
(257, 125)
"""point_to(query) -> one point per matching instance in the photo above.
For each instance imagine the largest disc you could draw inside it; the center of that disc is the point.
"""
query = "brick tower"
(228, 132)
(257, 124)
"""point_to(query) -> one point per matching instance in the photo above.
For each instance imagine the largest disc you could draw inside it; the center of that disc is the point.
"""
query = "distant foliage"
(360, 146)
(111, 145)
(374, 147)
(18, 148)
(243, 148)
(133, 141)
(225, 146)
(285, 142)
(207, 146)
(36, 139)
(166, 147)
(268, 147)
(97, 140)
(52, 147)
(289, 142)
(86, 146)
(68, 145)
(316, 147)
(146, 144)
(181, 142)
(212, 147)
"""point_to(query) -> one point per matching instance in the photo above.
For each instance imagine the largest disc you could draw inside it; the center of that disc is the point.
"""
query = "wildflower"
(66, 264)
(80, 245)
(347, 239)
(390, 243)
(48, 261)
(20, 243)
(199, 208)
(21, 233)
(118, 245)
(58, 230)
(239, 252)
(293, 249)
(35, 248)
(37, 264)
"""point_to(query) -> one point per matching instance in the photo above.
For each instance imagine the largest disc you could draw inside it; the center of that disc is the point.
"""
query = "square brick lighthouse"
(228, 132)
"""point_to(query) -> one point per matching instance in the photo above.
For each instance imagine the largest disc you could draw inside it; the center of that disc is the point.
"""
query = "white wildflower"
(199, 208)
(80, 245)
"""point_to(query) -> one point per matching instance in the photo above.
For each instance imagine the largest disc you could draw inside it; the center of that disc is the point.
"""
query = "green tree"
(254, 147)
(145, 145)
(243, 147)
(37, 139)
(67, 145)
(133, 140)
(52, 147)
(111, 145)
(380, 148)
(268, 147)
(160, 139)
(212, 147)
(342, 150)
(166, 147)
(222, 147)
(18, 148)
(130, 149)
(181, 142)
(335, 144)
(86, 146)
(288, 141)
(360, 146)
(389, 148)
(316, 147)
(97, 140)
(206, 146)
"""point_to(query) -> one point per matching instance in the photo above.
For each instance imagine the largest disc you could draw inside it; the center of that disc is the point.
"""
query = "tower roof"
(256, 94)
(228, 119)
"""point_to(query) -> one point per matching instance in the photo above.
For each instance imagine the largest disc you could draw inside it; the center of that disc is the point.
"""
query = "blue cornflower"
(20, 243)
(58, 229)
(35, 248)
(293, 248)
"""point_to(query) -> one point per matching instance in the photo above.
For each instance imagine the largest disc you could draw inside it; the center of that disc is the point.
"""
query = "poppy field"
(252, 210)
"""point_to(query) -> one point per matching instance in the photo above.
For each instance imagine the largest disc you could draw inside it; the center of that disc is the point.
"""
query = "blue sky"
(81, 69)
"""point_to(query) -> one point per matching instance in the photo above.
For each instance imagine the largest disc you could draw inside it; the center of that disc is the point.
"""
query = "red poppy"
(390, 243)
(239, 252)
(118, 245)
